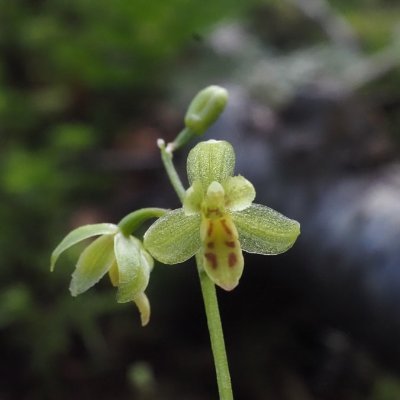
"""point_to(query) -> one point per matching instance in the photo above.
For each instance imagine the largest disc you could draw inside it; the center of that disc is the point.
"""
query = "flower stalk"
(216, 333)
(132, 221)
(166, 157)
(209, 296)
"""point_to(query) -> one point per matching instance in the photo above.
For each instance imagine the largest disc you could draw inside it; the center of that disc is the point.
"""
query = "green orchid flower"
(218, 219)
(122, 256)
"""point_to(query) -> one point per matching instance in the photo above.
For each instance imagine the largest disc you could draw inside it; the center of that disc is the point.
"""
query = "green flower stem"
(184, 136)
(209, 294)
(132, 221)
(166, 156)
(216, 332)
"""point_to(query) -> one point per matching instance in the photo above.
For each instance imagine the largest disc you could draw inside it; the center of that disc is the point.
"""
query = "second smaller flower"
(122, 256)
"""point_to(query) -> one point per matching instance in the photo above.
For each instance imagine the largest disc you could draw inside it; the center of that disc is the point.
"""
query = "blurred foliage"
(387, 388)
(75, 77)
(379, 34)
(103, 45)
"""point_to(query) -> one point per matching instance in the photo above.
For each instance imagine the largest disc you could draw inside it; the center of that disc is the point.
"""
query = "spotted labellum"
(218, 219)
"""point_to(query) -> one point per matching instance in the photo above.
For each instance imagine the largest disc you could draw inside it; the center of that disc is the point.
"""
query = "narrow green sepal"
(205, 108)
(213, 160)
(133, 267)
(263, 230)
(93, 264)
(78, 235)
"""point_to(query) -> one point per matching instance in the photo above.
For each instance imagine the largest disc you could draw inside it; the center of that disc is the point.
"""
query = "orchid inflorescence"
(218, 220)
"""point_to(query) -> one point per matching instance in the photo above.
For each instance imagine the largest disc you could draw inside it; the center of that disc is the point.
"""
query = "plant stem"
(216, 332)
(209, 294)
(133, 220)
(173, 176)
(184, 136)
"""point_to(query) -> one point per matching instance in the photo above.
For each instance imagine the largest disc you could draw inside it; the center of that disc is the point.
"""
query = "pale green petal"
(79, 234)
(265, 231)
(210, 161)
(239, 193)
(113, 274)
(134, 271)
(173, 238)
(193, 198)
(93, 263)
(147, 258)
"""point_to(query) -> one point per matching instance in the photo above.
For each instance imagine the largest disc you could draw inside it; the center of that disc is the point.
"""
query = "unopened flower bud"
(205, 108)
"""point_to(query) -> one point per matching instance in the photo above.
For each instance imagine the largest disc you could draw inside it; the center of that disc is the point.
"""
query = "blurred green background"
(86, 88)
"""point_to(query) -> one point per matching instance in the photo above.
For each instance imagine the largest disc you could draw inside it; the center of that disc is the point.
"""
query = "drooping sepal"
(78, 235)
(263, 230)
(213, 160)
(222, 255)
(173, 238)
(133, 267)
(93, 264)
(143, 304)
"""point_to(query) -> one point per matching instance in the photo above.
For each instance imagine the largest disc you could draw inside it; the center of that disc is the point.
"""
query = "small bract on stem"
(216, 223)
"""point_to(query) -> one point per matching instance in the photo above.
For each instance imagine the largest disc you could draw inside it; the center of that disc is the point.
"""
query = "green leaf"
(210, 161)
(134, 270)
(265, 231)
(93, 263)
(239, 193)
(79, 234)
(173, 238)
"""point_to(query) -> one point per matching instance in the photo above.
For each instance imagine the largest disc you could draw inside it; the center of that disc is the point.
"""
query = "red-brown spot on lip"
(226, 227)
(212, 259)
(210, 245)
(210, 228)
(230, 244)
(232, 259)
